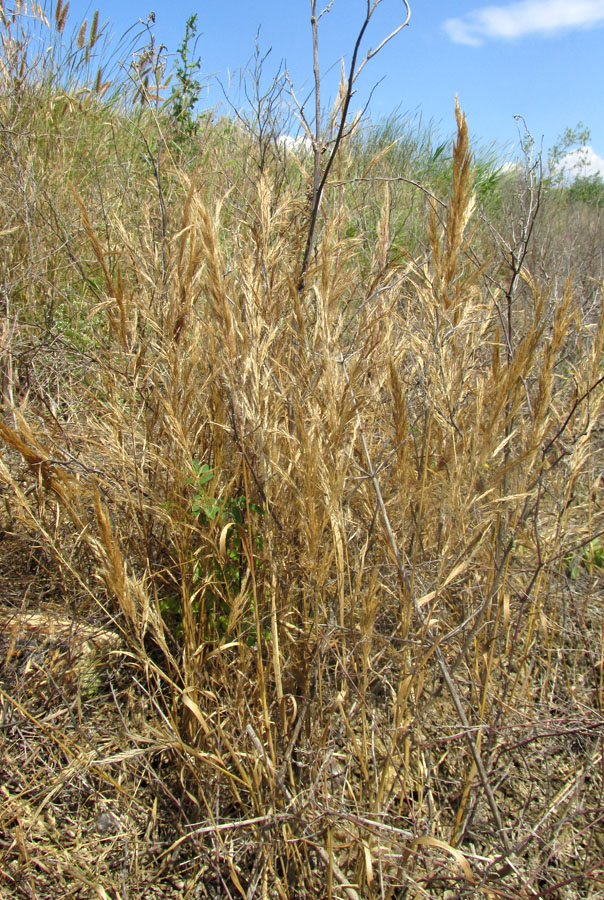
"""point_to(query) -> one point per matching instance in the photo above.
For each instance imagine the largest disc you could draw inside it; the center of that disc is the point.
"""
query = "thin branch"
(319, 180)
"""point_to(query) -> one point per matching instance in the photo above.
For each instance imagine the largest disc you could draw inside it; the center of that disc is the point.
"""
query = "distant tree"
(571, 139)
(587, 188)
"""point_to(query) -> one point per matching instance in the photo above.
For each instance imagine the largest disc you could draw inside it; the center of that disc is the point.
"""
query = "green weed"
(186, 92)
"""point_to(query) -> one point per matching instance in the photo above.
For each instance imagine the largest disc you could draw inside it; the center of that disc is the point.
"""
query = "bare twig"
(320, 178)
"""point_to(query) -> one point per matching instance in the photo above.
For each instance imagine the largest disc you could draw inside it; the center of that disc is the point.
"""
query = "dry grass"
(342, 537)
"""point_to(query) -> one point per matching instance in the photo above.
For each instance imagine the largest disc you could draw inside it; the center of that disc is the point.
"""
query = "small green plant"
(202, 503)
(171, 610)
(186, 92)
(591, 559)
(231, 511)
(218, 576)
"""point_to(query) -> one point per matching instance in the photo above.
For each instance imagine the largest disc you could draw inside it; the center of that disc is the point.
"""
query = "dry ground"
(93, 806)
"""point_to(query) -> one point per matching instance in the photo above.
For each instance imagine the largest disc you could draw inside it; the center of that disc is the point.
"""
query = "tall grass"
(342, 531)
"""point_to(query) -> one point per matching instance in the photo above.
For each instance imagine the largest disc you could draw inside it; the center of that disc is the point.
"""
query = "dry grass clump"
(345, 524)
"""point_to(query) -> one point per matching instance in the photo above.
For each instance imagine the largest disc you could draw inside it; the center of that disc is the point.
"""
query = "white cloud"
(299, 145)
(524, 17)
(583, 162)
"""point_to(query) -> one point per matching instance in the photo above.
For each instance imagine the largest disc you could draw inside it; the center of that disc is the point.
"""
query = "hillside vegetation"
(301, 533)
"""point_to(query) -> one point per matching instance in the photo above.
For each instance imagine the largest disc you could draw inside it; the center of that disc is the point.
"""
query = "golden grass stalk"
(332, 521)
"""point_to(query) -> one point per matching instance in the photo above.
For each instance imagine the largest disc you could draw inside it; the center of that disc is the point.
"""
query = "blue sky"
(540, 59)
